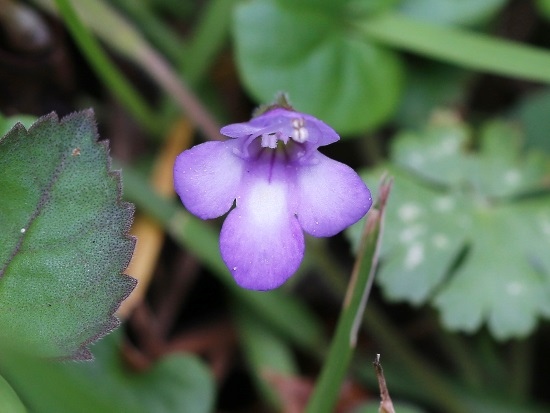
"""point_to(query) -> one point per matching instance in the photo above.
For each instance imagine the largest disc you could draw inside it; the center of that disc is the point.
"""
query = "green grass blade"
(327, 389)
(464, 48)
(105, 69)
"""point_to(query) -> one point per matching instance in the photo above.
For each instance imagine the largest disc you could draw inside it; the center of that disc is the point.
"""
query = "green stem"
(464, 48)
(105, 69)
(441, 392)
(327, 389)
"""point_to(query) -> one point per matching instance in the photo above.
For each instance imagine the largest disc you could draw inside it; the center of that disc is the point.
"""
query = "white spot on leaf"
(440, 241)
(416, 159)
(415, 256)
(514, 288)
(409, 234)
(444, 204)
(512, 177)
(409, 212)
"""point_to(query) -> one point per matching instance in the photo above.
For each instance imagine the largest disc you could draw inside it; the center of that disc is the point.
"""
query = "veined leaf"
(63, 238)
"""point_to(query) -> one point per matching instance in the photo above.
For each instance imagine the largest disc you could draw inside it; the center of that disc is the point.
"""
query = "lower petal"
(261, 243)
(207, 178)
(331, 197)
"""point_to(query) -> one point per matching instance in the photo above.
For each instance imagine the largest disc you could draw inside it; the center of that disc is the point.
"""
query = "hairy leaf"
(64, 238)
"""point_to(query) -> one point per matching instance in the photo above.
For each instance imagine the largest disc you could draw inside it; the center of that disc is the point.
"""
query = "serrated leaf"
(6, 123)
(469, 231)
(175, 383)
(64, 240)
(314, 54)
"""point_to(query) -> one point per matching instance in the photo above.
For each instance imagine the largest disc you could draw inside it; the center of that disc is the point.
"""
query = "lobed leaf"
(469, 231)
(64, 240)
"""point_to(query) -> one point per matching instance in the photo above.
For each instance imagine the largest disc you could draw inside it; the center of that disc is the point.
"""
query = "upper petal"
(261, 242)
(207, 178)
(330, 196)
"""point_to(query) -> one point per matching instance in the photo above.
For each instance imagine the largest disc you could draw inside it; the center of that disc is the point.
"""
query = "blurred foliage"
(176, 383)
(460, 12)
(451, 209)
(466, 230)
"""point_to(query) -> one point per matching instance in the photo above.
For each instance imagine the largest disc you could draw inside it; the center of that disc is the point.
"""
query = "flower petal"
(239, 130)
(261, 243)
(330, 197)
(207, 178)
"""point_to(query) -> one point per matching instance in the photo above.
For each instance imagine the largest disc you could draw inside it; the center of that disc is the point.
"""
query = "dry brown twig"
(386, 405)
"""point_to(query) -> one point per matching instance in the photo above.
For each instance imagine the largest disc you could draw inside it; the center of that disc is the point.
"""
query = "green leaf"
(469, 232)
(532, 113)
(9, 401)
(461, 12)
(64, 240)
(430, 85)
(7, 123)
(314, 54)
(175, 383)
(544, 8)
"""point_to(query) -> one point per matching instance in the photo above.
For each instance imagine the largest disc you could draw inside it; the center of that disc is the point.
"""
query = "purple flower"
(282, 186)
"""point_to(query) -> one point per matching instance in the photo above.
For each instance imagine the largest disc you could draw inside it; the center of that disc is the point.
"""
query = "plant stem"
(327, 389)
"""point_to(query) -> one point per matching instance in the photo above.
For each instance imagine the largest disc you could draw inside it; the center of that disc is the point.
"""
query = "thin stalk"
(459, 46)
(441, 391)
(105, 69)
(327, 389)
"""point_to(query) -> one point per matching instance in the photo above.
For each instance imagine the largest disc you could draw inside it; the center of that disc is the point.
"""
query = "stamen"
(299, 131)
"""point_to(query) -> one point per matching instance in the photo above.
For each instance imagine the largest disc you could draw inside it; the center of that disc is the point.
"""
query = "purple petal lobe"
(330, 197)
(238, 130)
(261, 242)
(207, 178)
